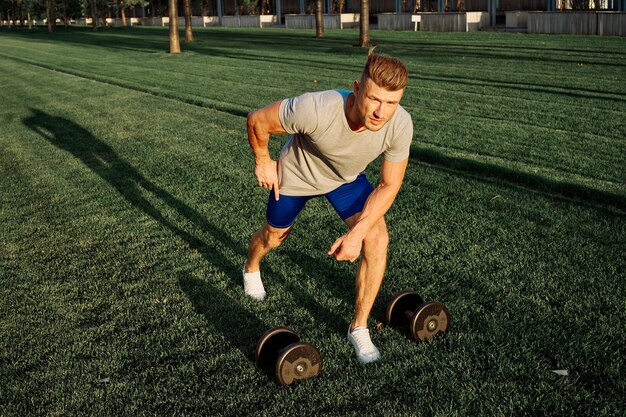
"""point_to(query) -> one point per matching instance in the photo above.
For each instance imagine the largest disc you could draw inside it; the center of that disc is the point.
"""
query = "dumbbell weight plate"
(297, 362)
(429, 320)
(271, 343)
(398, 306)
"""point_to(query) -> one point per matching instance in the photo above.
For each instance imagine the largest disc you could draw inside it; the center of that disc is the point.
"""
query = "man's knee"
(273, 237)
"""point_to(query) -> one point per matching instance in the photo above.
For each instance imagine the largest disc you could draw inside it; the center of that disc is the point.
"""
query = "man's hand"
(266, 172)
(347, 247)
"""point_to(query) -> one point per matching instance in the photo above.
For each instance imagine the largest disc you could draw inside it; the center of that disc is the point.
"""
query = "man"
(334, 135)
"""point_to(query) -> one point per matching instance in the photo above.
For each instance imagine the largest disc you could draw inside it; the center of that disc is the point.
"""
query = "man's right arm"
(261, 124)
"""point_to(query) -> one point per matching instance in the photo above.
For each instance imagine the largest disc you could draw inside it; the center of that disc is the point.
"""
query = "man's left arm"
(348, 246)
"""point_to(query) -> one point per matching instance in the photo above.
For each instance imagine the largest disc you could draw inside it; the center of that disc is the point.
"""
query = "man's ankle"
(354, 326)
(253, 285)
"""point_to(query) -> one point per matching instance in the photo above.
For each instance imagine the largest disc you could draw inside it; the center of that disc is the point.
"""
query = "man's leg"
(280, 217)
(369, 278)
(371, 270)
(349, 200)
(261, 243)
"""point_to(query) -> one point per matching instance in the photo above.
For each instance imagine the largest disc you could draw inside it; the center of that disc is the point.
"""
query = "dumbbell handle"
(409, 314)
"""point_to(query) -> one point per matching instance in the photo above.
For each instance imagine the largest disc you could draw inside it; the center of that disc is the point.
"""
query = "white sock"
(252, 285)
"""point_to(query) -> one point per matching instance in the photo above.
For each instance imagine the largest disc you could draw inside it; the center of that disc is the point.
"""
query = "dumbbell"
(425, 319)
(281, 352)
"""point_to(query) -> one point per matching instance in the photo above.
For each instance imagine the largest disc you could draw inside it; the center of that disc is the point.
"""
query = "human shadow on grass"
(534, 182)
(129, 182)
(229, 317)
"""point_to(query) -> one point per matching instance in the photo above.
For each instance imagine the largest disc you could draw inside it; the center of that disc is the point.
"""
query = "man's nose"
(379, 112)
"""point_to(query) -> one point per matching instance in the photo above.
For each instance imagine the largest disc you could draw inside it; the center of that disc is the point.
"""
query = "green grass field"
(128, 198)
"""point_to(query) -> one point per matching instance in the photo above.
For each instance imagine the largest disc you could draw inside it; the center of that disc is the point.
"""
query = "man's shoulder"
(317, 99)
(401, 120)
(311, 111)
(403, 116)
(329, 97)
(401, 124)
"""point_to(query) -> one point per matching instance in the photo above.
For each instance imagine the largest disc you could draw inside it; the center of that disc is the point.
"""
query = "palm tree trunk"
(66, 17)
(174, 40)
(103, 14)
(364, 26)
(319, 19)
(49, 17)
(94, 16)
(122, 13)
(188, 30)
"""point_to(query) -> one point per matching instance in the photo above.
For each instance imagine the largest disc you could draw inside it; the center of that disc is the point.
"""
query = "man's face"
(375, 105)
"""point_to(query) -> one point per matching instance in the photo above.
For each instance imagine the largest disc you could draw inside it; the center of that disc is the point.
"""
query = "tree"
(188, 31)
(122, 13)
(103, 6)
(50, 15)
(66, 17)
(174, 40)
(364, 26)
(94, 15)
(319, 19)
(19, 12)
(5, 11)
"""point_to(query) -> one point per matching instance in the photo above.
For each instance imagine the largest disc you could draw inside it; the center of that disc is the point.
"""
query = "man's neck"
(352, 115)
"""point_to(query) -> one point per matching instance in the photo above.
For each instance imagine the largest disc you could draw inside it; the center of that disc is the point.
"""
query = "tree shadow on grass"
(535, 182)
(232, 44)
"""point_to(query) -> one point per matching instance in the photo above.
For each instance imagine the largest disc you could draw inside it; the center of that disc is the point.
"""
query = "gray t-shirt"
(323, 153)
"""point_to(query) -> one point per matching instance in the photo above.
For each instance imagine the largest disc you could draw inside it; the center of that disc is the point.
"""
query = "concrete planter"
(350, 20)
(395, 21)
(611, 23)
(476, 20)
(155, 21)
(454, 21)
(516, 19)
(249, 21)
(570, 23)
(268, 20)
(307, 21)
(117, 22)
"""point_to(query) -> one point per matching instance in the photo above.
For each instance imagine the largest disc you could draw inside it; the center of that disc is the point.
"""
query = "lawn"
(128, 198)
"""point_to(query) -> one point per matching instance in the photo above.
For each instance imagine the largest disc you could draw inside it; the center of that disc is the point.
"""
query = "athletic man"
(334, 135)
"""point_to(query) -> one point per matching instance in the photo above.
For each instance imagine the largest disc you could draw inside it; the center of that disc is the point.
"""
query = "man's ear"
(355, 87)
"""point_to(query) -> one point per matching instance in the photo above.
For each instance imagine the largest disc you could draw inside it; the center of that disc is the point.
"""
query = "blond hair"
(385, 71)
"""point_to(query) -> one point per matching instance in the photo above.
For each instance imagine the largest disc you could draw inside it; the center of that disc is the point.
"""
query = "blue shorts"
(347, 200)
